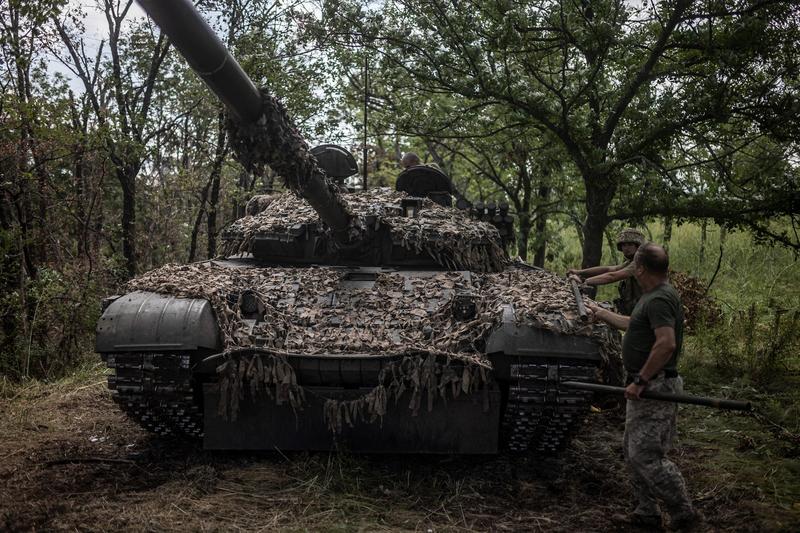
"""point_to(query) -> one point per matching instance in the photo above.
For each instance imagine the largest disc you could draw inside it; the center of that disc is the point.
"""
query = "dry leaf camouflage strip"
(449, 236)
(307, 312)
(262, 373)
(426, 376)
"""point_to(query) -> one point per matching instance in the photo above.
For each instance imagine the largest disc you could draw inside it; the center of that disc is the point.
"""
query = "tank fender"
(513, 338)
(146, 321)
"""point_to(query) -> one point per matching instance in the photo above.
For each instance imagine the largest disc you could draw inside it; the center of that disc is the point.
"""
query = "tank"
(371, 321)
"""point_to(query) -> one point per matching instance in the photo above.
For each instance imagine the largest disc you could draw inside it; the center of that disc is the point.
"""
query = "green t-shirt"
(657, 308)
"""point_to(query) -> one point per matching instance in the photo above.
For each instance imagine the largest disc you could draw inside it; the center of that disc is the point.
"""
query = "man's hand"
(612, 319)
(592, 309)
(573, 272)
(634, 391)
(576, 278)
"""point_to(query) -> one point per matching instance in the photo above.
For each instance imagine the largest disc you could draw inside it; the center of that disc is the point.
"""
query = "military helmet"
(630, 235)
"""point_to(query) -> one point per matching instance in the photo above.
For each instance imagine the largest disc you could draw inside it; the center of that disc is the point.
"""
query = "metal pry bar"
(719, 403)
(582, 313)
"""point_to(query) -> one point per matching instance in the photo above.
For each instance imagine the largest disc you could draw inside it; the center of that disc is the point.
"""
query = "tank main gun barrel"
(719, 403)
(263, 123)
(207, 56)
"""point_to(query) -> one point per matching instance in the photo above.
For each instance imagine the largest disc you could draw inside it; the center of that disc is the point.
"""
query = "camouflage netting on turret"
(449, 236)
(307, 312)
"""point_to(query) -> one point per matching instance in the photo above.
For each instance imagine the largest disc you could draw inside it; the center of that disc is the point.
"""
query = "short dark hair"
(410, 159)
(653, 258)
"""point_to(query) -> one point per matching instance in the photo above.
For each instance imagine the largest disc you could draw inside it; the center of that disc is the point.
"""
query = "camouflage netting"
(425, 375)
(448, 235)
(266, 373)
(308, 312)
(273, 141)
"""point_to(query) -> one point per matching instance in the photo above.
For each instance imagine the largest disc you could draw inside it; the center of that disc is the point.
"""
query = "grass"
(763, 451)
(88, 369)
(159, 484)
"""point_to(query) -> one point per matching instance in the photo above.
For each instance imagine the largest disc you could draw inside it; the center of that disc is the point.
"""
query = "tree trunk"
(667, 232)
(541, 229)
(242, 190)
(127, 179)
(198, 220)
(437, 158)
(701, 254)
(212, 211)
(523, 235)
(220, 152)
(599, 193)
(11, 270)
(593, 230)
(541, 245)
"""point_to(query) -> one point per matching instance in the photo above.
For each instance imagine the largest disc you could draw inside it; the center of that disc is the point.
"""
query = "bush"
(50, 321)
(758, 342)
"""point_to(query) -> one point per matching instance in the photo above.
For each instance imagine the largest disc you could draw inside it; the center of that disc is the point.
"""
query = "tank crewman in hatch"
(650, 350)
(628, 241)
(425, 180)
(410, 159)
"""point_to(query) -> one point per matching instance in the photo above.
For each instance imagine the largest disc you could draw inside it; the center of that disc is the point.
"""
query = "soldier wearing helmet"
(628, 241)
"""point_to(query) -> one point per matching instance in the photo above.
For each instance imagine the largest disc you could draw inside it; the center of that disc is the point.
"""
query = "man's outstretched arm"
(591, 271)
(615, 320)
(608, 277)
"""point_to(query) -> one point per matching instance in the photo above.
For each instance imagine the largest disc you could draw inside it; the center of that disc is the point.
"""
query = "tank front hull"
(464, 425)
(167, 357)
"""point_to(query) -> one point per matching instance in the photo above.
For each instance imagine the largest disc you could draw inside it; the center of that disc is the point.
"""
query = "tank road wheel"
(539, 414)
(157, 391)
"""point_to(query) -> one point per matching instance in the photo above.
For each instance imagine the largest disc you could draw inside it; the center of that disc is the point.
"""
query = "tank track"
(156, 391)
(540, 415)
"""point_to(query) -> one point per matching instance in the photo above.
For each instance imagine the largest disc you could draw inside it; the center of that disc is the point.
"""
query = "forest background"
(679, 117)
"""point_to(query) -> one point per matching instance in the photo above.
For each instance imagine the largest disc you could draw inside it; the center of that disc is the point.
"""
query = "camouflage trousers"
(650, 429)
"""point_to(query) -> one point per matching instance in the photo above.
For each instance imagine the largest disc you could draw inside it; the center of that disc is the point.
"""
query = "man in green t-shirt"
(650, 350)
(628, 241)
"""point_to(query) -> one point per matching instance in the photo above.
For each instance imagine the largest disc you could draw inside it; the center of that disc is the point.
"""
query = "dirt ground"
(70, 460)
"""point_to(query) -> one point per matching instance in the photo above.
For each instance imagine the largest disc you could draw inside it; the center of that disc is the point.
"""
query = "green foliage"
(662, 108)
(750, 271)
(758, 343)
(56, 314)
